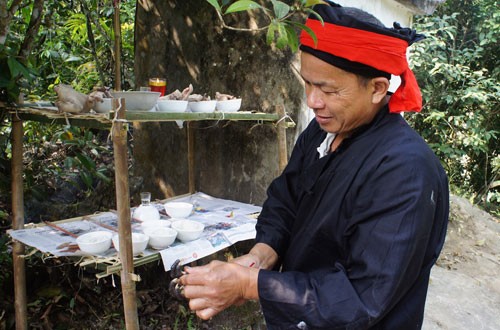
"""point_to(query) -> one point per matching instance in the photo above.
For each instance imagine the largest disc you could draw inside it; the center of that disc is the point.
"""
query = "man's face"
(339, 101)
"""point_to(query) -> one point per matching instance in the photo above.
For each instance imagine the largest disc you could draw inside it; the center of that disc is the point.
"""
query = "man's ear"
(380, 87)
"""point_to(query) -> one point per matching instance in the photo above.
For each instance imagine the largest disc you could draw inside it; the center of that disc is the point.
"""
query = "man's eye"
(329, 91)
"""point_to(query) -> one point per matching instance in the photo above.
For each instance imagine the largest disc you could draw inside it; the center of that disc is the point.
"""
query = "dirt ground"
(464, 291)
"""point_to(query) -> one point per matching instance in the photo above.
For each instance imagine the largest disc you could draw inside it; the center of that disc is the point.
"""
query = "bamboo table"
(118, 123)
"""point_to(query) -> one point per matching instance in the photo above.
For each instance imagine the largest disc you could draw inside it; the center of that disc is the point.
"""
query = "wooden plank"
(144, 116)
(115, 268)
(47, 115)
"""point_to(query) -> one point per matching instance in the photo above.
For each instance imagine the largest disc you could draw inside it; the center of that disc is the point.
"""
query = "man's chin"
(326, 125)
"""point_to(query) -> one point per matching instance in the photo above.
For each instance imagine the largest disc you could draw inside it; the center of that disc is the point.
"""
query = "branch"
(228, 27)
(258, 29)
(32, 31)
(103, 33)
(90, 34)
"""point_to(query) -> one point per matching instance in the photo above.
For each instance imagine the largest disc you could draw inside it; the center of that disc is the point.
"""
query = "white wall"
(387, 11)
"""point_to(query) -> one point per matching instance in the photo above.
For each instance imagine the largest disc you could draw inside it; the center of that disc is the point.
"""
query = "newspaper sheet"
(226, 222)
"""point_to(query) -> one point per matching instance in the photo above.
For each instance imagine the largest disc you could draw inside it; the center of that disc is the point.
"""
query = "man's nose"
(314, 98)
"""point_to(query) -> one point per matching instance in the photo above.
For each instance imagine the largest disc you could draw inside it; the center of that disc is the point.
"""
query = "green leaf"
(293, 40)
(69, 162)
(307, 29)
(271, 30)
(242, 5)
(281, 9)
(310, 3)
(215, 4)
(102, 175)
(73, 58)
(86, 178)
(282, 41)
(86, 161)
(17, 68)
(312, 12)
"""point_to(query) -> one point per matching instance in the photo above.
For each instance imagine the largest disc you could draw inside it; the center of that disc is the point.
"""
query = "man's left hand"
(212, 288)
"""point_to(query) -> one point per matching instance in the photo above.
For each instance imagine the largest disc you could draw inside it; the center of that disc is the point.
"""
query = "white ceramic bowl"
(172, 220)
(229, 105)
(203, 106)
(95, 242)
(139, 243)
(172, 105)
(155, 224)
(160, 237)
(178, 209)
(104, 106)
(188, 230)
(138, 100)
(146, 213)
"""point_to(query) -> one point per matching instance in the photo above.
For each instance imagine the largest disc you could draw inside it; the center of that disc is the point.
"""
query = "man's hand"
(212, 288)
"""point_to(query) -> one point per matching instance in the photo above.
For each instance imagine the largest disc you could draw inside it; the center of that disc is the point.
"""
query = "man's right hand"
(260, 256)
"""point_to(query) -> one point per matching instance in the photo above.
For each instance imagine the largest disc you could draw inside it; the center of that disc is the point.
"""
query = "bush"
(457, 67)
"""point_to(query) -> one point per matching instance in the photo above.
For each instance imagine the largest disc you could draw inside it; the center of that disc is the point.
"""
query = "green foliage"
(13, 75)
(83, 151)
(74, 45)
(64, 53)
(283, 29)
(457, 67)
(184, 319)
(5, 257)
(242, 5)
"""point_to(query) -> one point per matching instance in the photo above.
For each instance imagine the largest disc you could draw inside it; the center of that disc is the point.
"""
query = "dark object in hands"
(176, 269)
(175, 289)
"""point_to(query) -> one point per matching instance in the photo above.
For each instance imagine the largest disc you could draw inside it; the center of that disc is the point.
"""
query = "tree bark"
(183, 41)
(6, 15)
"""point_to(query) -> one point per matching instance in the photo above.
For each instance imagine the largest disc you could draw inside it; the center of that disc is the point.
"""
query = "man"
(350, 230)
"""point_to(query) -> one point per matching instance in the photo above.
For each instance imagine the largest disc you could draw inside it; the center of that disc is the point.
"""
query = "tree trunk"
(183, 42)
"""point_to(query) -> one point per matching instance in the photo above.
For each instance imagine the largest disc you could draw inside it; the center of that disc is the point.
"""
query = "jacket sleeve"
(279, 210)
(393, 238)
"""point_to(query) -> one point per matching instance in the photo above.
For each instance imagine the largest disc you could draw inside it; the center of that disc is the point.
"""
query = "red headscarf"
(381, 51)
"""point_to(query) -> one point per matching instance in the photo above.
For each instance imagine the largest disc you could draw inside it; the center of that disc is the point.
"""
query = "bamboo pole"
(282, 150)
(191, 165)
(119, 133)
(18, 249)
(117, 45)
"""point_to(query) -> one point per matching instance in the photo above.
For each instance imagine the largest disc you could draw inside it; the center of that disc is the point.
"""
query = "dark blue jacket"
(357, 231)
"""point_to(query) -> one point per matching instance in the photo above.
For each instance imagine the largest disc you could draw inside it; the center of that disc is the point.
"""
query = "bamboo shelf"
(47, 114)
(118, 123)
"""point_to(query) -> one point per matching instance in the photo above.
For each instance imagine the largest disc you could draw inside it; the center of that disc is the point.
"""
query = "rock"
(464, 290)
